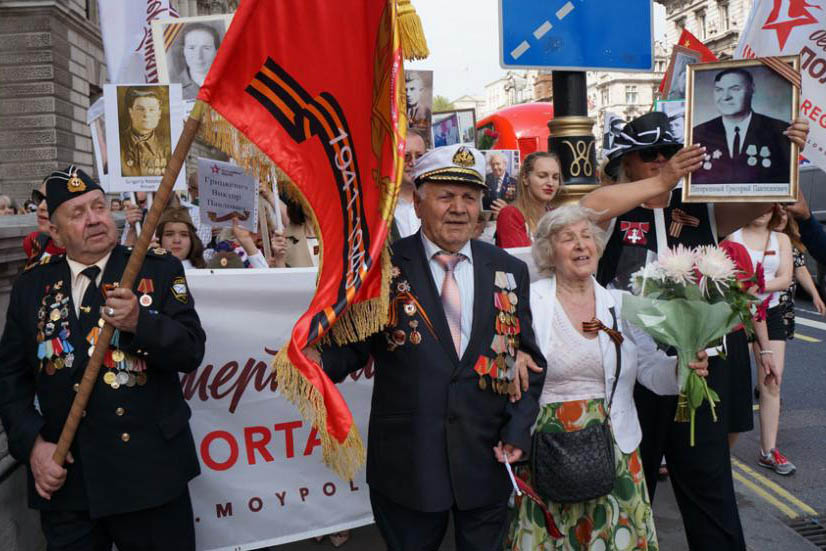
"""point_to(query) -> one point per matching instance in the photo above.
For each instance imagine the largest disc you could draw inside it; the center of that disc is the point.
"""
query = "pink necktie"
(451, 300)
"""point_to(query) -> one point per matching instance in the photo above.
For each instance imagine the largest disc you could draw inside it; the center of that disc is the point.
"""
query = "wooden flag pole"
(90, 375)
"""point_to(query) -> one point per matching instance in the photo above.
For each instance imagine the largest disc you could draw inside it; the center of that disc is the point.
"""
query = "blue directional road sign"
(576, 35)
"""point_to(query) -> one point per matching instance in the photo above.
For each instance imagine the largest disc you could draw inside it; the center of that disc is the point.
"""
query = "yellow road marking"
(788, 511)
(805, 338)
(777, 488)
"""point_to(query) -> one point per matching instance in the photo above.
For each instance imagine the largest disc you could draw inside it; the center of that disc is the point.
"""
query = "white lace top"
(575, 370)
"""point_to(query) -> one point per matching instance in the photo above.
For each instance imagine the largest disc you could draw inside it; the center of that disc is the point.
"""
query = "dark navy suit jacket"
(432, 428)
(768, 146)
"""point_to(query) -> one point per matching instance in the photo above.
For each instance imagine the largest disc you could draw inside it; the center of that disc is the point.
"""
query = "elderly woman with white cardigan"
(581, 370)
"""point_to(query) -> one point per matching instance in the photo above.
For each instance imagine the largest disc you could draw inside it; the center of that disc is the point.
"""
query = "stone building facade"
(51, 66)
(717, 23)
(51, 69)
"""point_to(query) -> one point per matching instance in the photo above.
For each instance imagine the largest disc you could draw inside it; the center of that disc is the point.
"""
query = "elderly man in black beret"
(125, 481)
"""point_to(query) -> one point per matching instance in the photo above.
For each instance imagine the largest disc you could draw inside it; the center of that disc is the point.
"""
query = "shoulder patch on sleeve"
(180, 290)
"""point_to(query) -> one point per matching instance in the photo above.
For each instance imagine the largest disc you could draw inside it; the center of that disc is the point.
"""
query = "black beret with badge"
(451, 164)
(63, 185)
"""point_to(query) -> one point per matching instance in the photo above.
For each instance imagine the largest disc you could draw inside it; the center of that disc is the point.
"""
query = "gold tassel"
(411, 33)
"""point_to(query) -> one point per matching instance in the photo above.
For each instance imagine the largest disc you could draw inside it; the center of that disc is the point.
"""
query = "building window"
(701, 23)
(606, 98)
(724, 19)
(660, 66)
(631, 94)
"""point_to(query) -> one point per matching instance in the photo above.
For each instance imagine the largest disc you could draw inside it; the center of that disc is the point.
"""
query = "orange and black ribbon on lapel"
(595, 326)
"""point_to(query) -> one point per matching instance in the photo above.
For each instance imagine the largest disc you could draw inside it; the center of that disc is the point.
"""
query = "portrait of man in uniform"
(143, 124)
(740, 113)
(419, 91)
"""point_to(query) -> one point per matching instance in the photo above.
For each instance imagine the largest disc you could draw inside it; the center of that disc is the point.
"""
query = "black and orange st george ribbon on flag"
(315, 88)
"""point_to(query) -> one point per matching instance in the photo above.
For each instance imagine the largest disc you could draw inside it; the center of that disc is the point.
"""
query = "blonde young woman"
(540, 178)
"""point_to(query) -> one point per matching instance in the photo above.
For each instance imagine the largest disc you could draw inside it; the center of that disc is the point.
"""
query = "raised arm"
(615, 200)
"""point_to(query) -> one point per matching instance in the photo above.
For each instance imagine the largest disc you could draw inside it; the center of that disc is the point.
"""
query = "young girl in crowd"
(539, 180)
(772, 252)
(176, 233)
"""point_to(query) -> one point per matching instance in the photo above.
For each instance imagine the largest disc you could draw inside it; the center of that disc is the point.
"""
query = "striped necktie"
(451, 299)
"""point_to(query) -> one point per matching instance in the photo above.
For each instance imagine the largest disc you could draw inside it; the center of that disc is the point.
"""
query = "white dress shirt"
(406, 220)
(463, 273)
(729, 126)
(81, 282)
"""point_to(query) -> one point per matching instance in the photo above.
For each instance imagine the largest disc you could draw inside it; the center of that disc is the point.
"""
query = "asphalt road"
(768, 503)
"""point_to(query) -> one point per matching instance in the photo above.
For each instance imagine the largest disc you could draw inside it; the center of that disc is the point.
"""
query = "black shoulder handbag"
(577, 466)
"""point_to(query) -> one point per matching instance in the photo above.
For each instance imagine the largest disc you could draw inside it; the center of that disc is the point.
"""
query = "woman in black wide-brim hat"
(642, 217)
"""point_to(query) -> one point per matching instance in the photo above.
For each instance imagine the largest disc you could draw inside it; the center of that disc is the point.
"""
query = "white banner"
(778, 27)
(127, 38)
(262, 480)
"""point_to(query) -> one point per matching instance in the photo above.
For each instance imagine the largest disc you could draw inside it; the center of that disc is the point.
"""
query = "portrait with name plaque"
(739, 111)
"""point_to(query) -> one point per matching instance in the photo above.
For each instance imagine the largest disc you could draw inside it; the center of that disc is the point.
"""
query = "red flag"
(314, 86)
(688, 40)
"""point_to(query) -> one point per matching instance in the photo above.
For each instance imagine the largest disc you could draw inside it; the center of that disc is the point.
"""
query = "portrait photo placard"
(676, 78)
(97, 127)
(226, 192)
(465, 126)
(418, 87)
(185, 50)
(738, 110)
(675, 109)
(143, 123)
(501, 173)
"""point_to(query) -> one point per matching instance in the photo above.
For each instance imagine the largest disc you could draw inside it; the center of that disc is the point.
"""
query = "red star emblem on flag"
(796, 15)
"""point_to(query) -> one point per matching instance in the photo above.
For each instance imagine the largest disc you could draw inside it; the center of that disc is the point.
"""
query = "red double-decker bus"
(523, 127)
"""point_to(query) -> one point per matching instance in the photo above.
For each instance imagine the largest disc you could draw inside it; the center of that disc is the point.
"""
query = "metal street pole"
(572, 135)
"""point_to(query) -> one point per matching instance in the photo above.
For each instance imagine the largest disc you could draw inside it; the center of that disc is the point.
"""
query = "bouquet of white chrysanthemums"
(689, 299)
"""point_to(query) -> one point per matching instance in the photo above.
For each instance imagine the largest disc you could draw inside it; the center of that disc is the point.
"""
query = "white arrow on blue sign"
(576, 35)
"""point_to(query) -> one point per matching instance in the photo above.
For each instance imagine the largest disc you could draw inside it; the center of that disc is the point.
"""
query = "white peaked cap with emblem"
(451, 164)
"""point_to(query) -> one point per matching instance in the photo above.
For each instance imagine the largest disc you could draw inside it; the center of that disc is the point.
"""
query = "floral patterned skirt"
(621, 520)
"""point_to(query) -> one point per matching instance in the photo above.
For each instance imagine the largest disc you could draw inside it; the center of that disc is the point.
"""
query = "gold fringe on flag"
(414, 43)
(361, 319)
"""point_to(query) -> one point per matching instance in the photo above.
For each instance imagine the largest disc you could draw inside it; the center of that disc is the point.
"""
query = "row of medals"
(133, 371)
(505, 342)
(58, 312)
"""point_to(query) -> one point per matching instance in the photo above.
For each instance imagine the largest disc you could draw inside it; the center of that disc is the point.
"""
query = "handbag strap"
(617, 345)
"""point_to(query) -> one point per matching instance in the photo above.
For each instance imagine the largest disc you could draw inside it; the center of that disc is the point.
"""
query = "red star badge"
(215, 169)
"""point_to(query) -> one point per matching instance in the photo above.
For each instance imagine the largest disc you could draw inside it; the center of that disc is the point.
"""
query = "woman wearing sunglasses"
(39, 243)
(642, 217)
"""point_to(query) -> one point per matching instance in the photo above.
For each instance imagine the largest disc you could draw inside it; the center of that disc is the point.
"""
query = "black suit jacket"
(764, 142)
(508, 189)
(432, 429)
(112, 473)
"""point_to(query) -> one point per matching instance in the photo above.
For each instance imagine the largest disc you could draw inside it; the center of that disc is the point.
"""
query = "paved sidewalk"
(764, 531)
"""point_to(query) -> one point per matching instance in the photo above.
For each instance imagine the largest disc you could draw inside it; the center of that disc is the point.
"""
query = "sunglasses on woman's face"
(651, 155)
(37, 197)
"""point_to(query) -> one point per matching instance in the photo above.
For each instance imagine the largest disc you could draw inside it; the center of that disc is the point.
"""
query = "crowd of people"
(477, 369)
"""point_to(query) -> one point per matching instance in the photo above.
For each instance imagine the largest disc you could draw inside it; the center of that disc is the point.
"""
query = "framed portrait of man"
(185, 49)
(739, 110)
(418, 86)
(143, 123)
(465, 125)
(675, 109)
(675, 79)
(501, 175)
